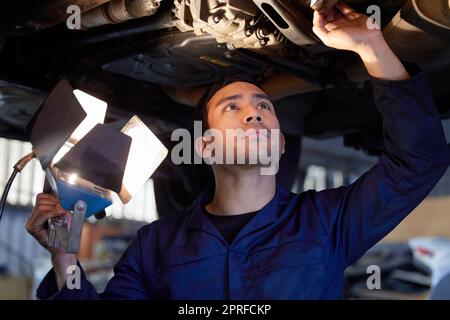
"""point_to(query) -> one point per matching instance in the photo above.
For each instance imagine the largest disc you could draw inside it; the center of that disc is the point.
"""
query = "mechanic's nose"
(251, 119)
(254, 117)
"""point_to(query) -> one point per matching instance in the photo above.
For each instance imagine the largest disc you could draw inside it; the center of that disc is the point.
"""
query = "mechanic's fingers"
(47, 202)
(42, 208)
(331, 26)
(41, 219)
(346, 10)
(319, 20)
(330, 18)
(39, 209)
(46, 196)
(47, 199)
(319, 26)
(335, 24)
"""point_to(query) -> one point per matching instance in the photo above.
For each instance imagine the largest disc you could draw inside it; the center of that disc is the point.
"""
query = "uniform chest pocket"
(290, 254)
(293, 270)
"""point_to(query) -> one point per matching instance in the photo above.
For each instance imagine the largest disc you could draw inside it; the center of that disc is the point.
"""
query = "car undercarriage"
(140, 55)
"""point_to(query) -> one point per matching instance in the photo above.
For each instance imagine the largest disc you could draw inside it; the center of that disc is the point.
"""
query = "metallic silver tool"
(79, 212)
(61, 236)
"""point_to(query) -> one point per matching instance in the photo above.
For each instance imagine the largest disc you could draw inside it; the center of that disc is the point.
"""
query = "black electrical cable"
(5, 192)
(18, 167)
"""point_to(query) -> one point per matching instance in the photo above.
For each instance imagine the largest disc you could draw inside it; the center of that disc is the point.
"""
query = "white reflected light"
(95, 113)
(146, 154)
(72, 178)
(95, 110)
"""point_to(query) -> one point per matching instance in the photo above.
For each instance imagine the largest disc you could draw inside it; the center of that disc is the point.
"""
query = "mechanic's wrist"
(61, 262)
(373, 48)
(380, 61)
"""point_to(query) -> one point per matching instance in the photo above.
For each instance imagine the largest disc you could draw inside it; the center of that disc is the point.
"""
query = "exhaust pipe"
(45, 15)
(118, 11)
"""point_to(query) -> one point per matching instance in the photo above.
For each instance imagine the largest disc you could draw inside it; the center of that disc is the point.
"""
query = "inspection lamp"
(86, 161)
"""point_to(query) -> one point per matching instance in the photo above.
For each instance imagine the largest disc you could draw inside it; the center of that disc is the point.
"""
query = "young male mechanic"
(249, 238)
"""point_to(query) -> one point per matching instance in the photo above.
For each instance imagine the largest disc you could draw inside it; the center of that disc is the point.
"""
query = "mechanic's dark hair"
(201, 110)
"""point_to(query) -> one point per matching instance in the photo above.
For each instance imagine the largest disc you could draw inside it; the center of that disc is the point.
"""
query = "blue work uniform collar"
(267, 215)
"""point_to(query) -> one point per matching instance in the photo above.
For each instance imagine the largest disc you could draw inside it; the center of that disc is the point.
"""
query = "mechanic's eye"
(231, 107)
(265, 106)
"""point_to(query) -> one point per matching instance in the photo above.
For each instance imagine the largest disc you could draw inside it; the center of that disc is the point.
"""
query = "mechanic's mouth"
(257, 133)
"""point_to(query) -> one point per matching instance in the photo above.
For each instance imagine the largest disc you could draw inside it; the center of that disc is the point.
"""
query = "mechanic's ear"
(200, 145)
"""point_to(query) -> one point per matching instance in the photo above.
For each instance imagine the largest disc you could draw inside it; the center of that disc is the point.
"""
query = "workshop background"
(324, 164)
(152, 58)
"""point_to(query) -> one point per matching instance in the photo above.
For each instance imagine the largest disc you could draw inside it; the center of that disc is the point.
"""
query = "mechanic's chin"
(260, 152)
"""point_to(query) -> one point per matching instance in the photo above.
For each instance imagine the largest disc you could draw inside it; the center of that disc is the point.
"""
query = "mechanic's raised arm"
(416, 154)
(346, 29)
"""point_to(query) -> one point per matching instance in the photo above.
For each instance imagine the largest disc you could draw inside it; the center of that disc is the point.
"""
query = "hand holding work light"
(86, 161)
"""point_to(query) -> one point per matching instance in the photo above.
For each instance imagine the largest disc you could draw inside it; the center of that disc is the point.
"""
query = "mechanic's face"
(242, 105)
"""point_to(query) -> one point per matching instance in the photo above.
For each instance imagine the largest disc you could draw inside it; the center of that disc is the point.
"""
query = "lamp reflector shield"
(146, 154)
(54, 122)
(95, 110)
(95, 113)
(97, 199)
(100, 157)
(64, 118)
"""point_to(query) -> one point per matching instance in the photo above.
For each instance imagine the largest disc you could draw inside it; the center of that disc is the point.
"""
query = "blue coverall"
(297, 246)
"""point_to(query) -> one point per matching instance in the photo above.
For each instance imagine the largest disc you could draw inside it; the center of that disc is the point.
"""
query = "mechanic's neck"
(241, 189)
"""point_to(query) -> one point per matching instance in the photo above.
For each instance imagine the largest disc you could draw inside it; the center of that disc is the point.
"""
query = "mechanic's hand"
(345, 29)
(47, 206)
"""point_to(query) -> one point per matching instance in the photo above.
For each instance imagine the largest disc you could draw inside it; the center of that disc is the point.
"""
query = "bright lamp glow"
(146, 154)
(95, 109)
(95, 113)
(86, 160)
(72, 178)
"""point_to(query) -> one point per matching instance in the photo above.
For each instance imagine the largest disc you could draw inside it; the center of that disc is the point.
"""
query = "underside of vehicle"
(137, 54)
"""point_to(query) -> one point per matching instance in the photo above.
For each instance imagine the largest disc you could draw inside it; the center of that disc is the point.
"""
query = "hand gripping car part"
(322, 5)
